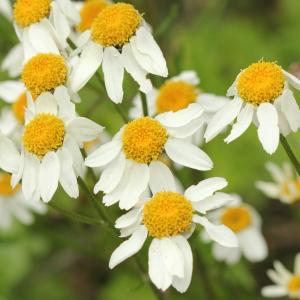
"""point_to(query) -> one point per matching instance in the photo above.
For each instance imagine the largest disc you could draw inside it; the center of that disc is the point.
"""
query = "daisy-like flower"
(129, 160)
(44, 25)
(261, 94)
(14, 206)
(286, 283)
(44, 72)
(51, 142)
(178, 93)
(286, 185)
(119, 39)
(170, 218)
(245, 222)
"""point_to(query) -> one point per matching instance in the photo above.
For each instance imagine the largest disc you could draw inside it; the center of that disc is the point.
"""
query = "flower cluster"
(45, 143)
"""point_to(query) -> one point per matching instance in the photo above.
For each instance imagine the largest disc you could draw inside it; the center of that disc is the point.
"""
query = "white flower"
(14, 206)
(13, 61)
(44, 25)
(286, 185)
(244, 220)
(261, 94)
(170, 218)
(131, 158)
(5, 8)
(51, 142)
(176, 94)
(119, 40)
(286, 283)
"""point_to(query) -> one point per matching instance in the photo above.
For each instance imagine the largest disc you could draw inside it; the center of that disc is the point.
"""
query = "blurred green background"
(57, 258)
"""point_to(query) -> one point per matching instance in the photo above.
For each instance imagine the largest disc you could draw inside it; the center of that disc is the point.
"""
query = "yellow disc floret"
(261, 82)
(43, 73)
(27, 12)
(167, 214)
(144, 140)
(236, 218)
(294, 284)
(43, 134)
(89, 12)
(19, 108)
(175, 95)
(292, 189)
(5, 187)
(115, 25)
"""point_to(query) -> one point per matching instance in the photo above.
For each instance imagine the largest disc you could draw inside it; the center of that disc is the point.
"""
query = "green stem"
(144, 104)
(75, 216)
(290, 153)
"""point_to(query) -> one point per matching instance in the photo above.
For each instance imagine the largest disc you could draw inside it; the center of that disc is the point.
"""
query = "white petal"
(9, 155)
(30, 175)
(212, 202)
(212, 103)
(293, 80)
(87, 65)
(253, 245)
(66, 109)
(218, 233)
(270, 189)
(111, 175)
(182, 284)
(187, 130)
(274, 291)
(135, 70)
(48, 184)
(182, 117)
(46, 103)
(205, 188)
(223, 118)
(83, 129)
(69, 9)
(188, 155)
(113, 71)
(268, 131)
(290, 109)
(128, 219)
(104, 154)
(282, 271)
(276, 173)
(188, 76)
(147, 53)
(67, 177)
(60, 22)
(11, 90)
(12, 62)
(157, 272)
(161, 178)
(129, 247)
(244, 120)
(275, 277)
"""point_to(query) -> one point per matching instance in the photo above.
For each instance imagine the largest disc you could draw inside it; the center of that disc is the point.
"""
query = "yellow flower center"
(167, 214)
(19, 107)
(115, 25)
(5, 187)
(294, 284)
(89, 12)
(236, 218)
(144, 140)
(43, 73)
(261, 82)
(175, 95)
(27, 12)
(43, 134)
(286, 189)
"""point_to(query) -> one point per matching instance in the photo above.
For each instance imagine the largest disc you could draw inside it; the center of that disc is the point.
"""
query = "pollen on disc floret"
(44, 72)
(89, 12)
(236, 218)
(144, 140)
(167, 214)
(43, 134)
(261, 82)
(5, 185)
(175, 95)
(27, 12)
(294, 284)
(115, 25)
(19, 107)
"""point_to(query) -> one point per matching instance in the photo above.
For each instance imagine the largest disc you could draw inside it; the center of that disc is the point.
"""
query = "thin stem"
(290, 153)
(75, 216)
(121, 113)
(144, 104)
